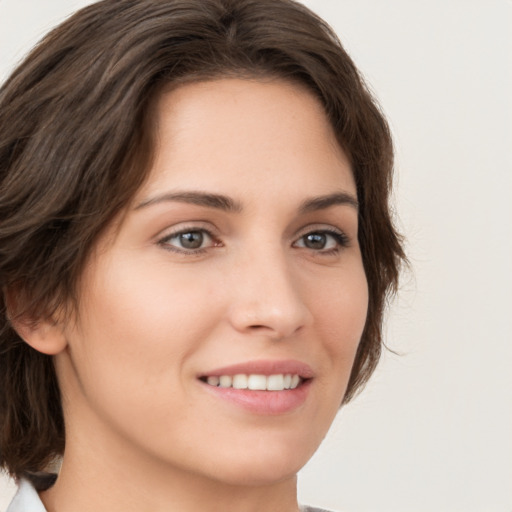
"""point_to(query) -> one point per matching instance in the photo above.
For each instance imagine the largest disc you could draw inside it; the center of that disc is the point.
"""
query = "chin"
(263, 465)
(258, 475)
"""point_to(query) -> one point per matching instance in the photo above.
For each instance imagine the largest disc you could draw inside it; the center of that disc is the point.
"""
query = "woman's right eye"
(188, 241)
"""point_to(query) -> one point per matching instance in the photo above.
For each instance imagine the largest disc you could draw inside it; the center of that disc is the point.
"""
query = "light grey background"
(433, 430)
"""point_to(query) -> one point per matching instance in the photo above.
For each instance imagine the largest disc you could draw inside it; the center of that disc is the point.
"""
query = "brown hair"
(75, 146)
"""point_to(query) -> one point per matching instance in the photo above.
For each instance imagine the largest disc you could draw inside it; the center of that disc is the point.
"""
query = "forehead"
(236, 135)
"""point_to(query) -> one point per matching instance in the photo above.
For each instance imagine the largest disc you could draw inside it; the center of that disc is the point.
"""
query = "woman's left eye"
(190, 240)
(323, 240)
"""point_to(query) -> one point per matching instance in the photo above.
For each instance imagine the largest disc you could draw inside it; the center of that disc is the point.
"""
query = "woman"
(196, 251)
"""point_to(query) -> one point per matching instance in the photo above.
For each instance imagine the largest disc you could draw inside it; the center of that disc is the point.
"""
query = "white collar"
(26, 499)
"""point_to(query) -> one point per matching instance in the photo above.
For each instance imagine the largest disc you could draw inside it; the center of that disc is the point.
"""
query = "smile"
(261, 387)
(256, 382)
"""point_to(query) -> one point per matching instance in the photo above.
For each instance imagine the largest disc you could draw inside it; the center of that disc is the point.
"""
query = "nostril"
(265, 329)
(278, 319)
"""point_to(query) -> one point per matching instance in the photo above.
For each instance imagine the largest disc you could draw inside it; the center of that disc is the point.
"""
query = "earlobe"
(45, 336)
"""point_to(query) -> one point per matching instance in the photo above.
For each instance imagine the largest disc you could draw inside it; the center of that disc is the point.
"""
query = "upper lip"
(264, 367)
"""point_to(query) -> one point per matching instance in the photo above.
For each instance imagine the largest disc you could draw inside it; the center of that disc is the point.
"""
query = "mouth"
(261, 387)
(255, 382)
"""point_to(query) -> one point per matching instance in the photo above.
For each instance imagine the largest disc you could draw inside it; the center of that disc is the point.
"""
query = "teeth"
(278, 382)
(213, 381)
(225, 381)
(257, 382)
(275, 382)
(240, 381)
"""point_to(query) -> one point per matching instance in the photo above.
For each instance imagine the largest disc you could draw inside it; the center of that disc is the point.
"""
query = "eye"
(323, 240)
(188, 241)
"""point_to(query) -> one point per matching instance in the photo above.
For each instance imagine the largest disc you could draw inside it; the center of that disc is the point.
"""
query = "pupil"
(192, 240)
(315, 241)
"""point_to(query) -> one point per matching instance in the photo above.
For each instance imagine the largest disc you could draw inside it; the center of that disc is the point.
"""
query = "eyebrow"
(225, 203)
(323, 202)
(217, 201)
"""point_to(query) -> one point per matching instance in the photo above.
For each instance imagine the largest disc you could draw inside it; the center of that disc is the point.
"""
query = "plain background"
(433, 429)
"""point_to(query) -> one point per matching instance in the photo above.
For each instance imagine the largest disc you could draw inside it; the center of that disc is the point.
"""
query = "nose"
(266, 298)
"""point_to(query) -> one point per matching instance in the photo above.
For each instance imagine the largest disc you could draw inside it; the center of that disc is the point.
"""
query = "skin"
(142, 432)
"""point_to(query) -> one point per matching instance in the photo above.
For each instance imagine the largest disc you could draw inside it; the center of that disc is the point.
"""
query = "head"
(78, 141)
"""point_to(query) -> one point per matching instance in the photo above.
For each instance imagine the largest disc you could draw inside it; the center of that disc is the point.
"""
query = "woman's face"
(239, 256)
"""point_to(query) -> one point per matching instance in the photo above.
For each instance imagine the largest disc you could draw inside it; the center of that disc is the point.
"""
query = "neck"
(103, 492)
(90, 481)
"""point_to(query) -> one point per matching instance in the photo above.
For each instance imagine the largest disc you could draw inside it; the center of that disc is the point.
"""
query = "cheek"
(130, 351)
(341, 311)
(340, 317)
(145, 305)
(138, 324)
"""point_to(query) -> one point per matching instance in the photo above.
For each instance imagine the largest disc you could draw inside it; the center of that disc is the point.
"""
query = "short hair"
(76, 143)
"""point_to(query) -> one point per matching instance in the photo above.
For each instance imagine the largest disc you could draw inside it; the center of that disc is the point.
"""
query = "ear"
(46, 335)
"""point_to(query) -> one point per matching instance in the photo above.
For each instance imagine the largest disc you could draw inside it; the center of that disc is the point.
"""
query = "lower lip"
(264, 402)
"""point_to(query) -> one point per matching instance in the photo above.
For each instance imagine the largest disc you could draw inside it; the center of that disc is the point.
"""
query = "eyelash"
(164, 242)
(341, 239)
